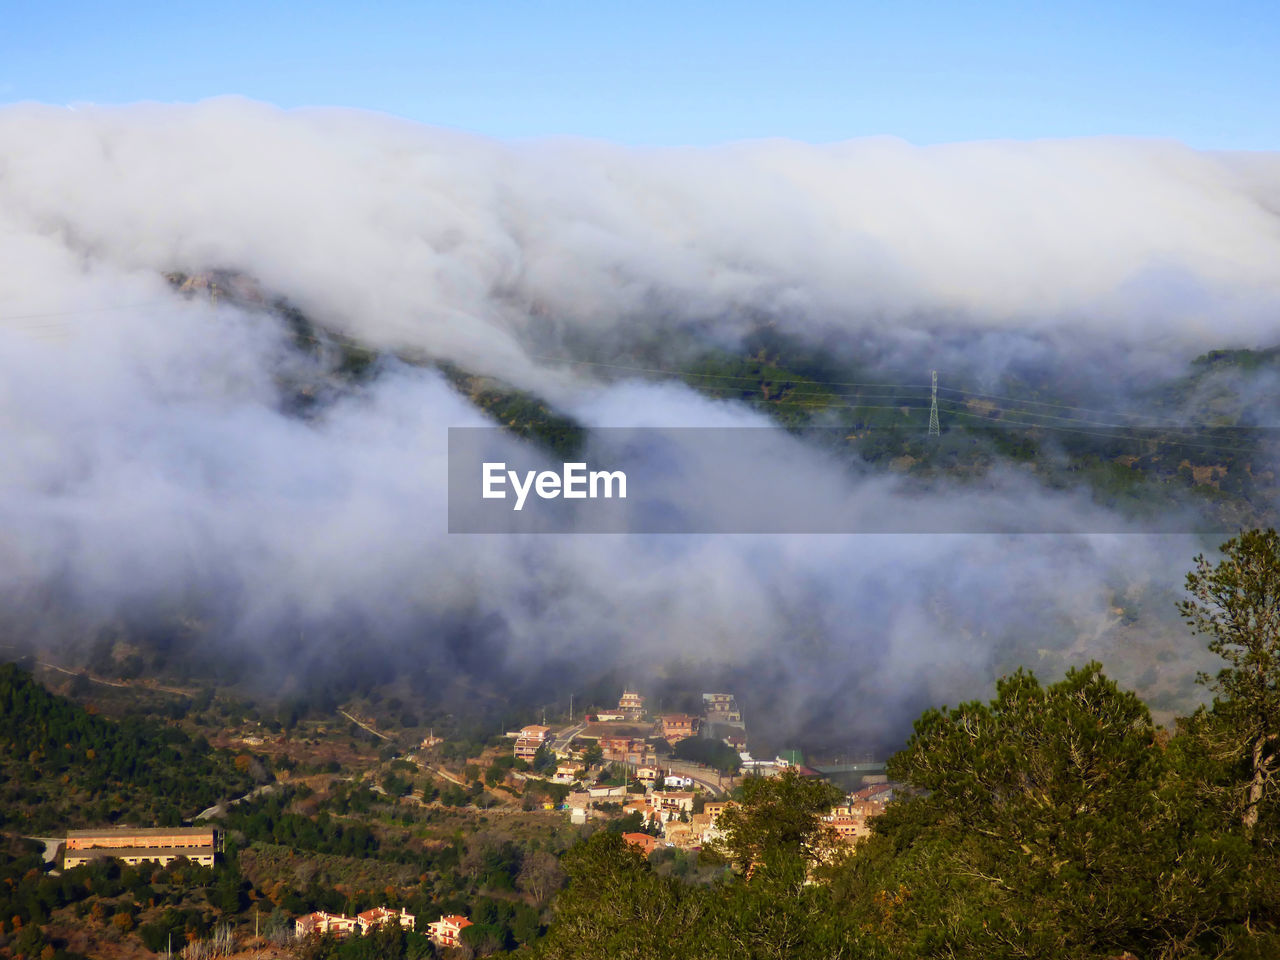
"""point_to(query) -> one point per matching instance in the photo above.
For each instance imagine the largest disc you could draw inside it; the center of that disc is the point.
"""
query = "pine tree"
(1237, 603)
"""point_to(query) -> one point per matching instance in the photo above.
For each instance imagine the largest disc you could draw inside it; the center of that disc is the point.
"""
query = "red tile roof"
(642, 842)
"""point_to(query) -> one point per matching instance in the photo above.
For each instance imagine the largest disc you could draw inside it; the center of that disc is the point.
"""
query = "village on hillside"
(663, 780)
(676, 798)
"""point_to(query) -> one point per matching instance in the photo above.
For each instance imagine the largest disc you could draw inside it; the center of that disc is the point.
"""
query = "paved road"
(218, 809)
(364, 726)
(124, 685)
(50, 846)
(561, 740)
(706, 778)
(441, 772)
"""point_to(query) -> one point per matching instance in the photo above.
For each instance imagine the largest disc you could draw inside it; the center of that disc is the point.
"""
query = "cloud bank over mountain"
(413, 236)
(150, 465)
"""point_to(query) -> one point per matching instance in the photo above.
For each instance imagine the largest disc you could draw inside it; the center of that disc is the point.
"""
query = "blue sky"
(667, 73)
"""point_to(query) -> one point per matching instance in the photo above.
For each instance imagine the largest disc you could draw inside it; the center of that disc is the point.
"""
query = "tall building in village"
(631, 705)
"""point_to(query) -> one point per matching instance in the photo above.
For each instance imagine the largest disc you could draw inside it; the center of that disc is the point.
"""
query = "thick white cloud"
(147, 460)
(411, 235)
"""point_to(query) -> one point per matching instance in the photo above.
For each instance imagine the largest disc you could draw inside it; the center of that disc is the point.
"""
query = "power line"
(1108, 436)
(813, 382)
(813, 400)
(819, 400)
(1005, 420)
(796, 397)
(1048, 403)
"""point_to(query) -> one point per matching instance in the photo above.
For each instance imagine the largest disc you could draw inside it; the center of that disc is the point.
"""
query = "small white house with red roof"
(380, 915)
(321, 922)
(447, 931)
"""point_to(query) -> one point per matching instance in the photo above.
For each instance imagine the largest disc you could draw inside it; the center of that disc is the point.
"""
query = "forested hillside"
(62, 766)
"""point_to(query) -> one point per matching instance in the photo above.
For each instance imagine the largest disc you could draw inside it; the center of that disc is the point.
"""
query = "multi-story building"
(851, 820)
(566, 773)
(721, 708)
(530, 739)
(678, 726)
(447, 931)
(134, 845)
(320, 923)
(673, 802)
(578, 804)
(340, 925)
(631, 750)
(380, 915)
(713, 809)
(631, 705)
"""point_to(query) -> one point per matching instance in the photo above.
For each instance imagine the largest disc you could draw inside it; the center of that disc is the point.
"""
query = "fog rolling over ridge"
(154, 472)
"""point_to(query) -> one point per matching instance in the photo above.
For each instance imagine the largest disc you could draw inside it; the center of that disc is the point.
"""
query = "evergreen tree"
(1046, 826)
(1237, 604)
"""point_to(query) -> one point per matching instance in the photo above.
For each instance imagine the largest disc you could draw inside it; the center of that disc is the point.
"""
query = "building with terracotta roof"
(851, 820)
(642, 842)
(566, 773)
(340, 925)
(627, 748)
(631, 705)
(649, 813)
(678, 726)
(530, 740)
(380, 915)
(447, 931)
(320, 923)
(673, 802)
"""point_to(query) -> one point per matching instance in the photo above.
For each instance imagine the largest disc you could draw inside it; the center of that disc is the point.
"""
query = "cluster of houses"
(671, 821)
(625, 733)
(851, 820)
(445, 932)
(626, 736)
(163, 845)
(339, 924)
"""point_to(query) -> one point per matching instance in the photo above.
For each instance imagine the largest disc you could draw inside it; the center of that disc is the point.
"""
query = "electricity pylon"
(934, 429)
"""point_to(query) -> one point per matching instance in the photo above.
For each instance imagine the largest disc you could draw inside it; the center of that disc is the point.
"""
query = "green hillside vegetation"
(519, 411)
(1137, 464)
(62, 766)
(1241, 359)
